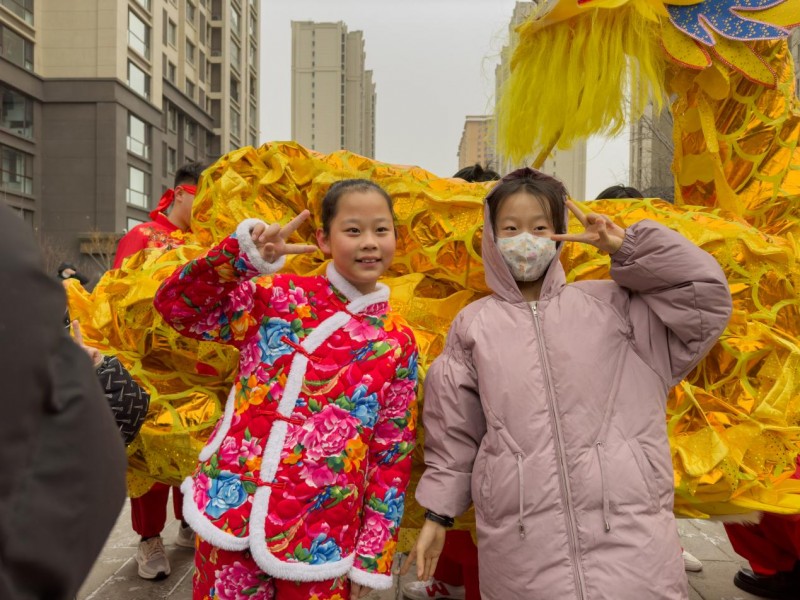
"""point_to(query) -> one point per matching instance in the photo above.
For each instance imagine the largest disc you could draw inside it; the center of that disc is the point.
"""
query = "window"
(235, 18)
(172, 33)
(234, 89)
(253, 114)
(138, 192)
(16, 171)
(253, 139)
(16, 112)
(172, 161)
(145, 4)
(131, 223)
(138, 34)
(190, 52)
(21, 8)
(191, 12)
(254, 87)
(138, 136)
(172, 118)
(253, 24)
(236, 55)
(234, 122)
(172, 73)
(190, 132)
(190, 89)
(138, 80)
(252, 55)
(15, 48)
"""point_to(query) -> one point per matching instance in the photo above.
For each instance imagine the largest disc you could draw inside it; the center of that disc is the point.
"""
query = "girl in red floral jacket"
(300, 490)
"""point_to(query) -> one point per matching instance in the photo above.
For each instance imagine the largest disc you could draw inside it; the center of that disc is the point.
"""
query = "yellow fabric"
(747, 385)
(539, 107)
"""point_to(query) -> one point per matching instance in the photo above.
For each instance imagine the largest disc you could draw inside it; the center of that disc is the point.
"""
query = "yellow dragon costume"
(734, 423)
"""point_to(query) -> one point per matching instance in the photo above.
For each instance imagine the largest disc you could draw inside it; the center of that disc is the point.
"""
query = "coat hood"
(496, 272)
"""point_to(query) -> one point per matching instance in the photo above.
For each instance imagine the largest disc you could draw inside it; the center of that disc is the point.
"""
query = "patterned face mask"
(528, 256)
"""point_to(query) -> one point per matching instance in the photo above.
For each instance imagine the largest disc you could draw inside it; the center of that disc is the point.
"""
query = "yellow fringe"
(580, 77)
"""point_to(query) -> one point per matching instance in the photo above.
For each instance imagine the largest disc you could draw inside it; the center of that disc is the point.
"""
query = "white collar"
(358, 301)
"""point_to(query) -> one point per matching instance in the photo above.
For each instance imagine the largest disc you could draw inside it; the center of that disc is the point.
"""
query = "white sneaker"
(185, 537)
(691, 563)
(152, 559)
(432, 590)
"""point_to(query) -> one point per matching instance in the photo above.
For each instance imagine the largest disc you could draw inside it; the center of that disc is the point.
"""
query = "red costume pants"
(773, 544)
(149, 512)
(224, 575)
(458, 563)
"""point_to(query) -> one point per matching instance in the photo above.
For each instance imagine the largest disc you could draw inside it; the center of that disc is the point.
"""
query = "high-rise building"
(567, 165)
(333, 95)
(477, 142)
(651, 151)
(103, 101)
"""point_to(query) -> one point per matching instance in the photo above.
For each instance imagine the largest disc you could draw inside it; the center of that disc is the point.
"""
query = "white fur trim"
(247, 246)
(358, 301)
(294, 571)
(227, 417)
(325, 330)
(294, 383)
(376, 581)
(272, 451)
(204, 527)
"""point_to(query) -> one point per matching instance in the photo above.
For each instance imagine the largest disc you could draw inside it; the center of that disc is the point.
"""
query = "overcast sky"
(433, 63)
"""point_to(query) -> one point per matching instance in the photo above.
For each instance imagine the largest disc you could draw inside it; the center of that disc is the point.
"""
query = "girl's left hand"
(599, 231)
(358, 591)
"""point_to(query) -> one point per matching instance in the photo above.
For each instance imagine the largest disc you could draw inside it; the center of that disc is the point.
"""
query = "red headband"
(169, 196)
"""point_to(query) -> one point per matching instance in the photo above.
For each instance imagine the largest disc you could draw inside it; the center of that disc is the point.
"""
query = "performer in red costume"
(773, 549)
(157, 233)
(149, 512)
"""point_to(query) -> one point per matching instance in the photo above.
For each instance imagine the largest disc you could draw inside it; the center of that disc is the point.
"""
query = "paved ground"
(114, 575)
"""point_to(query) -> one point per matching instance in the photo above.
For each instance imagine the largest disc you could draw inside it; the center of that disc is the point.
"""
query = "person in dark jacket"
(63, 463)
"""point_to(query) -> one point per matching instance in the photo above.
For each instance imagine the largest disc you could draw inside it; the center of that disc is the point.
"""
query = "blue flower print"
(226, 492)
(324, 550)
(395, 505)
(412, 367)
(366, 406)
(272, 344)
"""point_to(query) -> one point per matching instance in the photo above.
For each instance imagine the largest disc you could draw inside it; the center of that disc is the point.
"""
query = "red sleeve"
(133, 241)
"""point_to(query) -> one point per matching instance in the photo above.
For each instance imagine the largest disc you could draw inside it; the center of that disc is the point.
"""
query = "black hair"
(477, 173)
(549, 190)
(619, 191)
(189, 174)
(330, 202)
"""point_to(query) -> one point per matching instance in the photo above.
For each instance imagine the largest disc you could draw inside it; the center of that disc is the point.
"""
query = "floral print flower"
(366, 406)
(326, 432)
(226, 492)
(237, 582)
(272, 344)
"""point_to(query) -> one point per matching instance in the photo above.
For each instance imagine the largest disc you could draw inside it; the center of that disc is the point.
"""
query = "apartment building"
(477, 145)
(333, 94)
(103, 101)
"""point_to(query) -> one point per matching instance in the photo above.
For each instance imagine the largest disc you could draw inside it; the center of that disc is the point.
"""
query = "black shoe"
(781, 586)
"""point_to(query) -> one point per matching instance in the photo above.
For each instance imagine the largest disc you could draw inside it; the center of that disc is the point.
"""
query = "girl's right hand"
(427, 551)
(270, 240)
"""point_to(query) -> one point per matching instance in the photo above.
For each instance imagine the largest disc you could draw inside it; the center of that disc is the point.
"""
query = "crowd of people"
(545, 411)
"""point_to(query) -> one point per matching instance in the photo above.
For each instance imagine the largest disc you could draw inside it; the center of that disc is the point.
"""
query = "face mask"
(528, 256)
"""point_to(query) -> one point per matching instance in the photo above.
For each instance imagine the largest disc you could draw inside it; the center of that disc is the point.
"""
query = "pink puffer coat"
(550, 418)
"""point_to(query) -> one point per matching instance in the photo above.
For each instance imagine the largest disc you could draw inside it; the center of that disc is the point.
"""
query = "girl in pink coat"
(546, 408)
(300, 490)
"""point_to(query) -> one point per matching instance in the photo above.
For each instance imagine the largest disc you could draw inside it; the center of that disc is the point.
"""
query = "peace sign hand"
(270, 240)
(599, 231)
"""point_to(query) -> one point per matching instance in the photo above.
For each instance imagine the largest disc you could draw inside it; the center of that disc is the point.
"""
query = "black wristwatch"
(443, 521)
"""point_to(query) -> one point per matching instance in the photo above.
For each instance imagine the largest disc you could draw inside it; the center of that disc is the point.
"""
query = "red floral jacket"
(309, 465)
